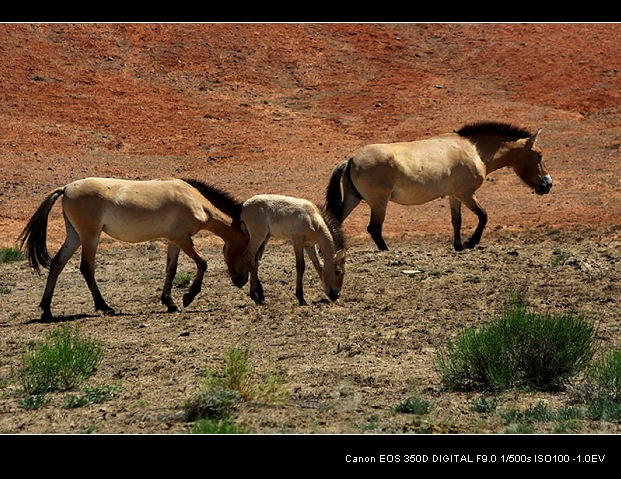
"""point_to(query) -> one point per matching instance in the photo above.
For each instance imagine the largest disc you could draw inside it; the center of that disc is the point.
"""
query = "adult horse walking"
(452, 164)
(136, 211)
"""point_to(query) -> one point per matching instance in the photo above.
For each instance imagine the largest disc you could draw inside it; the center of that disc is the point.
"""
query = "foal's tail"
(334, 198)
(35, 233)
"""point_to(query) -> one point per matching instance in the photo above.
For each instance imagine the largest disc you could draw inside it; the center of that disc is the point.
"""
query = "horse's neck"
(325, 241)
(225, 230)
(495, 154)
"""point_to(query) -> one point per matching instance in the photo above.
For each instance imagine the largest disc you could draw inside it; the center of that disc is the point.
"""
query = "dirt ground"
(271, 108)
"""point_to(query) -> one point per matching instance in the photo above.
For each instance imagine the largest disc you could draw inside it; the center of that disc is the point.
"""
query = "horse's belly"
(416, 194)
(138, 233)
(136, 227)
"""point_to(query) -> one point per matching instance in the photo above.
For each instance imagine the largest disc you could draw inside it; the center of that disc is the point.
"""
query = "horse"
(452, 164)
(307, 226)
(136, 211)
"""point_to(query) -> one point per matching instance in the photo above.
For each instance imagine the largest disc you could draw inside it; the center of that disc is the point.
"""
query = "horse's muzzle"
(240, 280)
(544, 186)
(334, 294)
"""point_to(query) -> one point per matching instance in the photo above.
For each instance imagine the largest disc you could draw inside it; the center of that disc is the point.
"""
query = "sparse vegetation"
(64, 360)
(11, 254)
(521, 348)
(223, 390)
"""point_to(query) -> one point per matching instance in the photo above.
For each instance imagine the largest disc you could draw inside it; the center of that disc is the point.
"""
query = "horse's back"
(280, 216)
(132, 210)
(416, 172)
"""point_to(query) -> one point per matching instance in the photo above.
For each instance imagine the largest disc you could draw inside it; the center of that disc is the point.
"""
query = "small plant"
(559, 258)
(182, 280)
(221, 426)
(484, 405)
(413, 405)
(210, 404)
(238, 374)
(92, 395)
(10, 255)
(519, 349)
(61, 362)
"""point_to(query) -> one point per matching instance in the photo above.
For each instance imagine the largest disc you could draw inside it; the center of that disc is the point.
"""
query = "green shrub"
(211, 404)
(238, 374)
(9, 255)
(222, 426)
(519, 349)
(604, 375)
(62, 362)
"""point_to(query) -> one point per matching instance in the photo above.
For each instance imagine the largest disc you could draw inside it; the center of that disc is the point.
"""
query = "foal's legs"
(69, 247)
(311, 250)
(252, 255)
(471, 203)
(298, 248)
(172, 258)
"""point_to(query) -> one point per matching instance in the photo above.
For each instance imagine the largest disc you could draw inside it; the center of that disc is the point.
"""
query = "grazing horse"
(136, 211)
(302, 222)
(452, 164)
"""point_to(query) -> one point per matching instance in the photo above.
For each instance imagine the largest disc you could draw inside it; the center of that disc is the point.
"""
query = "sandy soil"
(259, 108)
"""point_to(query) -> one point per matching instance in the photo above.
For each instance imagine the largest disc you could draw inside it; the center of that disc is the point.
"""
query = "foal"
(302, 222)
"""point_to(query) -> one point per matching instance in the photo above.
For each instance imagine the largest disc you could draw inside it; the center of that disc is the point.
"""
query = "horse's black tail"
(34, 236)
(334, 199)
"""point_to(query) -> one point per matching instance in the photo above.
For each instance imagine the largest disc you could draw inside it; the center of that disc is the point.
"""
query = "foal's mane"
(493, 128)
(335, 227)
(221, 199)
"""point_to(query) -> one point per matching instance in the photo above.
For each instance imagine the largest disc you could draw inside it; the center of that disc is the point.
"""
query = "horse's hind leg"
(87, 268)
(456, 221)
(69, 247)
(172, 259)
(378, 214)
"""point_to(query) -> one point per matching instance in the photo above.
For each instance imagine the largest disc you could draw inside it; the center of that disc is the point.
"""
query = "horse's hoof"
(459, 247)
(187, 299)
(47, 317)
(173, 309)
(109, 312)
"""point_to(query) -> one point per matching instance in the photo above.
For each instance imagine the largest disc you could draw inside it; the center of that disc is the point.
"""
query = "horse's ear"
(340, 255)
(532, 139)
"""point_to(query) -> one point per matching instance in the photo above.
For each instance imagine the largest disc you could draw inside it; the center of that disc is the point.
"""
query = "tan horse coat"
(453, 165)
(301, 221)
(133, 211)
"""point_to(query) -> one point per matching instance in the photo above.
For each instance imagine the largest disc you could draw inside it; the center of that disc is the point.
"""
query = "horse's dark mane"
(221, 199)
(335, 227)
(493, 128)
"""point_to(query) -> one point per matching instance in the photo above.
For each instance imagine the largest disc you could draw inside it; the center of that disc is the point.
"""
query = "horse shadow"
(69, 318)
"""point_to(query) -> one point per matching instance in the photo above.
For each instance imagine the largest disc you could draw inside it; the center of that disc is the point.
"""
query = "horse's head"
(529, 166)
(333, 273)
(234, 258)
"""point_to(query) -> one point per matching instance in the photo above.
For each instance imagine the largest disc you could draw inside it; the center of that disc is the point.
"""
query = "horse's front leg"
(187, 245)
(473, 205)
(298, 247)
(172, 259)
